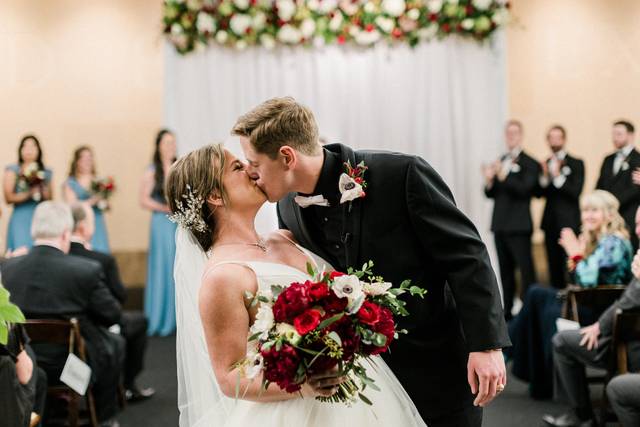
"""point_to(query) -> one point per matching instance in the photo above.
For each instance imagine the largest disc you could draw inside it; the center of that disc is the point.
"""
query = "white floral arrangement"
(194, 24)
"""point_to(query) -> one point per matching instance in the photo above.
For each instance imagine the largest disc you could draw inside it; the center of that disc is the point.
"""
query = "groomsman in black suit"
(47, 283)
(133, 324)
(561, 183)
(616, 173)
(511, 182)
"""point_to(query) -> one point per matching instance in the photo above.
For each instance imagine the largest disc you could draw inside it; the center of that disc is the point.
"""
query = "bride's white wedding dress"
(199, 398)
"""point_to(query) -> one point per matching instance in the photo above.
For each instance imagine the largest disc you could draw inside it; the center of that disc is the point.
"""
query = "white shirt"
(621, 155)
(559, 180)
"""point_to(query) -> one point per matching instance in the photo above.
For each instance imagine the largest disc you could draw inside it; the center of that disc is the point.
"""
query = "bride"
(220, 258)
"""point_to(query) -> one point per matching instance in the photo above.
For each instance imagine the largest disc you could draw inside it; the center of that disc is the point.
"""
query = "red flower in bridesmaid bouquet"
(307, 321)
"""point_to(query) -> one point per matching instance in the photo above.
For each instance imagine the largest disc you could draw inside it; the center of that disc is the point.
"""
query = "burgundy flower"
(332, 304)
(386, 327)
(317, 290)
(292, 301)
(307, 321)
(280, 367)
(369, 313)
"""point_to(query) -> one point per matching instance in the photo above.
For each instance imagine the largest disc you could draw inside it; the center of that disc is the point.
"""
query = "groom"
(405, 220)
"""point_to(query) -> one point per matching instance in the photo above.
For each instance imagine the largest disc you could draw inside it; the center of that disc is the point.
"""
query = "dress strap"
(216, 265)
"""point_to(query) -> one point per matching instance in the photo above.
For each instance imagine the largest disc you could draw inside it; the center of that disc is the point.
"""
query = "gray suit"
(625, 399)
(570, 358)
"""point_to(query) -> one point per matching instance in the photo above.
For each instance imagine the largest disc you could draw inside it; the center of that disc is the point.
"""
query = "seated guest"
(133, 324)
(601, 255)
(624, 396)
(590, 346)
(47, 283)
(23, 386)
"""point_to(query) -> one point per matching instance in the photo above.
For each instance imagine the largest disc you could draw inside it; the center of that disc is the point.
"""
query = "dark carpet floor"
(513, 409)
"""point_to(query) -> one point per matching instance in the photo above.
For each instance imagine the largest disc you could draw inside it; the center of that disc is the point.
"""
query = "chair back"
(597, 299)
(626, 328)
(56, 331)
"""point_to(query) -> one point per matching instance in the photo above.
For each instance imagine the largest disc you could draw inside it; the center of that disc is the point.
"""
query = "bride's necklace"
(260, 244)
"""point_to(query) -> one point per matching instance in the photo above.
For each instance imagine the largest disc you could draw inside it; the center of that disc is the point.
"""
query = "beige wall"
(574, 62)
(85, 72)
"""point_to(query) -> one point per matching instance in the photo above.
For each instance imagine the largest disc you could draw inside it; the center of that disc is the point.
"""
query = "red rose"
(317, 290)
(332, 304)
(446, 28)
(386, 327)
(335, 274)
(341, 39)
(280, 367)
(292, 301)
(397, 32)
(307, 321)
(369, 313)
(369, 28)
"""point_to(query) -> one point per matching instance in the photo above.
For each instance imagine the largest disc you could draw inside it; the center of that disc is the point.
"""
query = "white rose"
(414, 14)
(307, 28)
(286, 9)
(428, 33)
(239, 23)
(241, 4)
(259, 21)
(327, 6)
(255, 364)
(385, 24)
(376, 288)
(288, 332)
(370, 7)
(222, 37)
(313, 5)
(500, 17)
(194, 4)
(289, 34)
(434, 6)
(176, 29)
(393, 7)
(241, 45)
(205, 23)
(264, 318)
(268, 42)
(482, 4)
(467, 23)
(348, 7)
(336, 22)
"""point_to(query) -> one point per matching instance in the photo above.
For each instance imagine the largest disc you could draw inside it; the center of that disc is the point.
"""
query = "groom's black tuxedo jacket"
(409, 226)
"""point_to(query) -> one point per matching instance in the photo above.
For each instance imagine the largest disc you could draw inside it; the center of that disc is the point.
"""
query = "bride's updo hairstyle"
(191, 180)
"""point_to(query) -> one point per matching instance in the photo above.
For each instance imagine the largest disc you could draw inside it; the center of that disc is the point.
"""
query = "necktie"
(305, 202)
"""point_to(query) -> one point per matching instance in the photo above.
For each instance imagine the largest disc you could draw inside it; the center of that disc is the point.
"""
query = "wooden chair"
(64, 333)
(626, 328)
(597, 299)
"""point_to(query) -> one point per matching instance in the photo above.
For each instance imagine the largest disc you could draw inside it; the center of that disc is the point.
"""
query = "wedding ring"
(499, 388)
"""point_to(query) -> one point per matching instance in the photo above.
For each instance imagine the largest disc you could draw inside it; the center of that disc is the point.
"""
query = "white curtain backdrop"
(444, 100)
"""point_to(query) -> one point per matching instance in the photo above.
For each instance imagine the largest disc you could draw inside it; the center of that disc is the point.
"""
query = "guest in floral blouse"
(600, 255)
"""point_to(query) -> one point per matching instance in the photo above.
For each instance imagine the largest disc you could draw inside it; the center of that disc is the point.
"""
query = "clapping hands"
(571, 244)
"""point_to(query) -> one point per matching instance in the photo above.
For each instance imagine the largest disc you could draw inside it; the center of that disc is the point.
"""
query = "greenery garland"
(194, 24)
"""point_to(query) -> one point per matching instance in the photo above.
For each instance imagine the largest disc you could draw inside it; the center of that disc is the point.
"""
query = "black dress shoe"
(136, 394)
(566, 420)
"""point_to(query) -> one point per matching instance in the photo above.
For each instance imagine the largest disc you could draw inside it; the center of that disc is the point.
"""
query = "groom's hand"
(487, 375)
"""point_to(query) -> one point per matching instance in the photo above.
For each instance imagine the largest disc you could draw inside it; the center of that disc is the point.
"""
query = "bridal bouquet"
(105, 188)
(333, 320)
(31, 177)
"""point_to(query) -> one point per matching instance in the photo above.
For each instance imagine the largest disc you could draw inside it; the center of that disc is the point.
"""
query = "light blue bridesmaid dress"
(100, 241)
(159, 295)
(19, 231)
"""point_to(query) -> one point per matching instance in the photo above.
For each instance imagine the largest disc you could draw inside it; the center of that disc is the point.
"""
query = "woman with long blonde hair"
(600, 255)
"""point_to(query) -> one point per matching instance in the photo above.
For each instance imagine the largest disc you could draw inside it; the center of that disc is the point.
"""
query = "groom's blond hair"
(277, 122)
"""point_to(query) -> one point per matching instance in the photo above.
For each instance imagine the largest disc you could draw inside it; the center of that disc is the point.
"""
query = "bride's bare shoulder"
(281, 235)
(224, 277)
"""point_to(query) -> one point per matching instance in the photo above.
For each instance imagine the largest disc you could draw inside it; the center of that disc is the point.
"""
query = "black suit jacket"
(562, 208)
(409, 226)
(46, 283)
(621, 185)
(512, 197)
(109, 266)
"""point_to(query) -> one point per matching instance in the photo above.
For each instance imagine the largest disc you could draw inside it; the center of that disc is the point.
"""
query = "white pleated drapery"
(444, 100)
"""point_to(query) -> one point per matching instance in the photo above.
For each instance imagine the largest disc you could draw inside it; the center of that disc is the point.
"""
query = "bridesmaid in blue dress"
(159, 298)
(23, 197)
(78, 188)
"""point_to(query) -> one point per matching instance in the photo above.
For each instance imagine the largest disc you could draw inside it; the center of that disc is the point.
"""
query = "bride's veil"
(200, 400)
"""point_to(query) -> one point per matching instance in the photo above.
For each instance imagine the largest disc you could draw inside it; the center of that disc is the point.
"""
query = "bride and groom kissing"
(394, 210)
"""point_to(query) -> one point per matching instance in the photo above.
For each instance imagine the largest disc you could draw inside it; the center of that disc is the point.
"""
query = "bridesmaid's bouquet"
(32, 177)
(333, 321)
(105, 188)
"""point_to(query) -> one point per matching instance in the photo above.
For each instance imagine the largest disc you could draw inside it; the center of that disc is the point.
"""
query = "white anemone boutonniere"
(625, 166)
(352, 183)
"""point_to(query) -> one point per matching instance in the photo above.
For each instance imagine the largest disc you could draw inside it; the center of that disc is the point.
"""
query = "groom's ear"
(288, 156)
